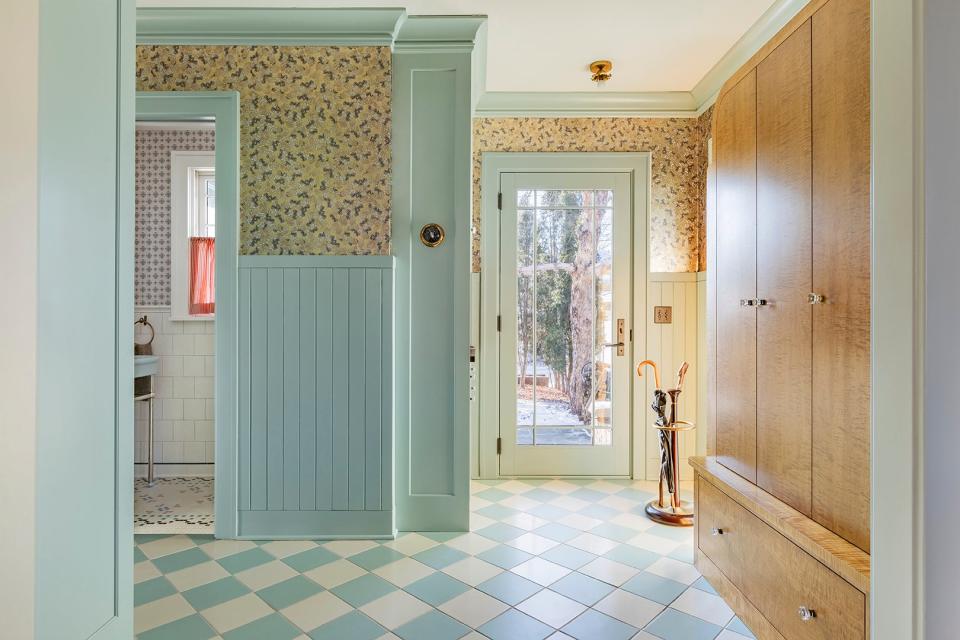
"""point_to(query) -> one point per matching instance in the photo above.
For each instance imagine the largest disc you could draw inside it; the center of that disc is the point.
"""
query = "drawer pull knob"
(807, 614)
(716, 531)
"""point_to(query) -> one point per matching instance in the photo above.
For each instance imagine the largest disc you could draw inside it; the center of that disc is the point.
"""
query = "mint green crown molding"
(433, 33)
(773, 19)
(586, 104)
(358, 27)
(654, 104)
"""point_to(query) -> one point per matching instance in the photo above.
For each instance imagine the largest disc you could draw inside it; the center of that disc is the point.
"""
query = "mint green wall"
(431, 143)
(84, 441)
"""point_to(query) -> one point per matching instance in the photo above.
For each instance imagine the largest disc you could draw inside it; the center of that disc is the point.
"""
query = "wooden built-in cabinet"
(789, 282)
(735, 150)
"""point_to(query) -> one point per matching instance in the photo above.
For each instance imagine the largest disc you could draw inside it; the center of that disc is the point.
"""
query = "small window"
(193, 224)
(203, 216)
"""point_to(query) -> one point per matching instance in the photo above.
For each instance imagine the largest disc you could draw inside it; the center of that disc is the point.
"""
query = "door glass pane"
(564, 316)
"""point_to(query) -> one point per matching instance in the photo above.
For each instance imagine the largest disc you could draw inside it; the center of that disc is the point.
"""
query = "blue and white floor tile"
(545, 560)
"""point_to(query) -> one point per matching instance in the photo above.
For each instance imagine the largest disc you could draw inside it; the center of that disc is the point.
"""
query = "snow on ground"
(549, 413)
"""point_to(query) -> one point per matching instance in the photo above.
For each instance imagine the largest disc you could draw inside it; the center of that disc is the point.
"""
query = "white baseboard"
(174, 470)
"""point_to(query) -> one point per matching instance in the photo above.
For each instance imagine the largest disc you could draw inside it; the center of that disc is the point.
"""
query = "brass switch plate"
(662, 315)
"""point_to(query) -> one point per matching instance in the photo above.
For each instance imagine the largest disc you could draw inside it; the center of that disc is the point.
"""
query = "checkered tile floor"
(553, 559)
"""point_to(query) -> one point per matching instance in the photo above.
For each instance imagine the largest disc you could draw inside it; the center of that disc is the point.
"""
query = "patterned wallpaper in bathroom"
(152, 236)
(315, 163)
(678, 158)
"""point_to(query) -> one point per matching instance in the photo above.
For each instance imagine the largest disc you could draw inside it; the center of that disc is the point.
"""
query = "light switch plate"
(662, 315)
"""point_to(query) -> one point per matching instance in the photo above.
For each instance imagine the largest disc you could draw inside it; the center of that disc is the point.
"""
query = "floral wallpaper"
(152, 208)
(678, 158)
(315, 162)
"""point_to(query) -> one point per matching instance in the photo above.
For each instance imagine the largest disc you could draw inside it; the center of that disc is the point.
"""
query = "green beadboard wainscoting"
(315, 413)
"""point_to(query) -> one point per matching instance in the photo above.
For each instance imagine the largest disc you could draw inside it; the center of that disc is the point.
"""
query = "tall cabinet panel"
(783, 271)
(841, 269)
(736, 157)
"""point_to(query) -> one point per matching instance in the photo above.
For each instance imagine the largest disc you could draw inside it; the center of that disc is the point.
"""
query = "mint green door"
(84, 480)
(566, 324)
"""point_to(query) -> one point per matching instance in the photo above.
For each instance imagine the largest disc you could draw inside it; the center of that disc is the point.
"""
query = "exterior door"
(565, 324)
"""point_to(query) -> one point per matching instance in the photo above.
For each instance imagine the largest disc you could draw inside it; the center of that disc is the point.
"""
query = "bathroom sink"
(145, 366)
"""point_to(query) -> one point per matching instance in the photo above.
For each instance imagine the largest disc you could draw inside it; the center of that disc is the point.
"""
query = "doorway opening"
(175, 328)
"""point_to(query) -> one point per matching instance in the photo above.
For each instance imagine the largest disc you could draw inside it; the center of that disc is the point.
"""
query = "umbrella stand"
(675, 512)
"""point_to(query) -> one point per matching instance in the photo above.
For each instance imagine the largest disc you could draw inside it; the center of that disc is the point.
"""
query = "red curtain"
(202, 263)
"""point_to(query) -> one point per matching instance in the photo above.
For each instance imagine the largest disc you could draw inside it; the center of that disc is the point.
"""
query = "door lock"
(619, 344)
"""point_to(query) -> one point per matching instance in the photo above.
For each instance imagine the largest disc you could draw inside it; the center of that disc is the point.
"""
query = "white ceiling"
(547, 45)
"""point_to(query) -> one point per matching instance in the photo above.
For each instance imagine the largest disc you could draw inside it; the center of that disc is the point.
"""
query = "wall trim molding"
(435, 34)
(287, 26)
(673, 276)
(773, 19)
(587, 104)
(316, 262)
(177, 126)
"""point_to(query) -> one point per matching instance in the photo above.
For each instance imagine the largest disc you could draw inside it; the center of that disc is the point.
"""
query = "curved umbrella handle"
(656, 372)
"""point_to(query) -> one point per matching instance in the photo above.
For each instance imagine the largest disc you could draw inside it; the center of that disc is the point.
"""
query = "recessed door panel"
(783, 271)
(841, 269)
(735, 148)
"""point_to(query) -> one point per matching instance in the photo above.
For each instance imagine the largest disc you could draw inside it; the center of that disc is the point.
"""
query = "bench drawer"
(774, 574)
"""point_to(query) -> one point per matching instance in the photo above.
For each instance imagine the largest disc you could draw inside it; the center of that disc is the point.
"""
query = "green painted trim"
(772, 20)
(298, 525)
(432, 102)
(675, 104)
(288, 26)
(492, 165)
(224, 108)
(345, 262)
(438, 34)
(83, 377)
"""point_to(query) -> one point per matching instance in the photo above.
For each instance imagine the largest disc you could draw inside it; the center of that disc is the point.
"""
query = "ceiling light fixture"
(601, 70)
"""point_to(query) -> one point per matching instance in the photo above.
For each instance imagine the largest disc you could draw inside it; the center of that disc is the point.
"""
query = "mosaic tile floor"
(173, 505)
(545, 559)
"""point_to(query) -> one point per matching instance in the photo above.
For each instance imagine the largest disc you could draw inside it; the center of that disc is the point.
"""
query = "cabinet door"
(841, 269)
(783, 271)
(735, 146)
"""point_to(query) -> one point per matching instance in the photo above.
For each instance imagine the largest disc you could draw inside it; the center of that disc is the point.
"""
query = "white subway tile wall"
(183, 423)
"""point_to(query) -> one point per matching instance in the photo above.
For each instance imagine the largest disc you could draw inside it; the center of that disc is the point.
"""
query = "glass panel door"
(565, 325)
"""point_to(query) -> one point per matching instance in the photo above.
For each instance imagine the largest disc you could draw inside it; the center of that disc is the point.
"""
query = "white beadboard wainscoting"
(669, 345)
(184, 407)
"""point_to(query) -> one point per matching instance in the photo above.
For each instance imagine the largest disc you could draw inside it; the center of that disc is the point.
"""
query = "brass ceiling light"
(601, 70)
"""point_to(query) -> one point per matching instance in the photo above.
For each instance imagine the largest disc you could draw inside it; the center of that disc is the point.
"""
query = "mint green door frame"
(223, 107)
(637, 165)
(83, 573)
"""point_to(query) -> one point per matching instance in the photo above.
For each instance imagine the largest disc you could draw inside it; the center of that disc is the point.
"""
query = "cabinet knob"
(716, 531)
(760, 302)
(806, 614)
(815, 298)
(747, 302)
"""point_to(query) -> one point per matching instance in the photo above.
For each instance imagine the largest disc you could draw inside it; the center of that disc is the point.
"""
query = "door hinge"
(499, 323)
(499, 445)
(500, 201)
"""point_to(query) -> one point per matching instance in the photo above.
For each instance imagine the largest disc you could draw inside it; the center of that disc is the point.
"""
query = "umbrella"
(659, 406)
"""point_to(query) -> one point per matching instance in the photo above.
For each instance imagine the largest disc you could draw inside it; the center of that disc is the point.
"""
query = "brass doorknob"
(432, 235)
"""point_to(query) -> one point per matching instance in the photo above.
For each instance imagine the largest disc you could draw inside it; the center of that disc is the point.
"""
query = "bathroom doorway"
(184, 315)
(174, 326)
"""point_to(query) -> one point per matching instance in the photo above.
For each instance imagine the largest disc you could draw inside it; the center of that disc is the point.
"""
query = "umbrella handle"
(656, 372)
